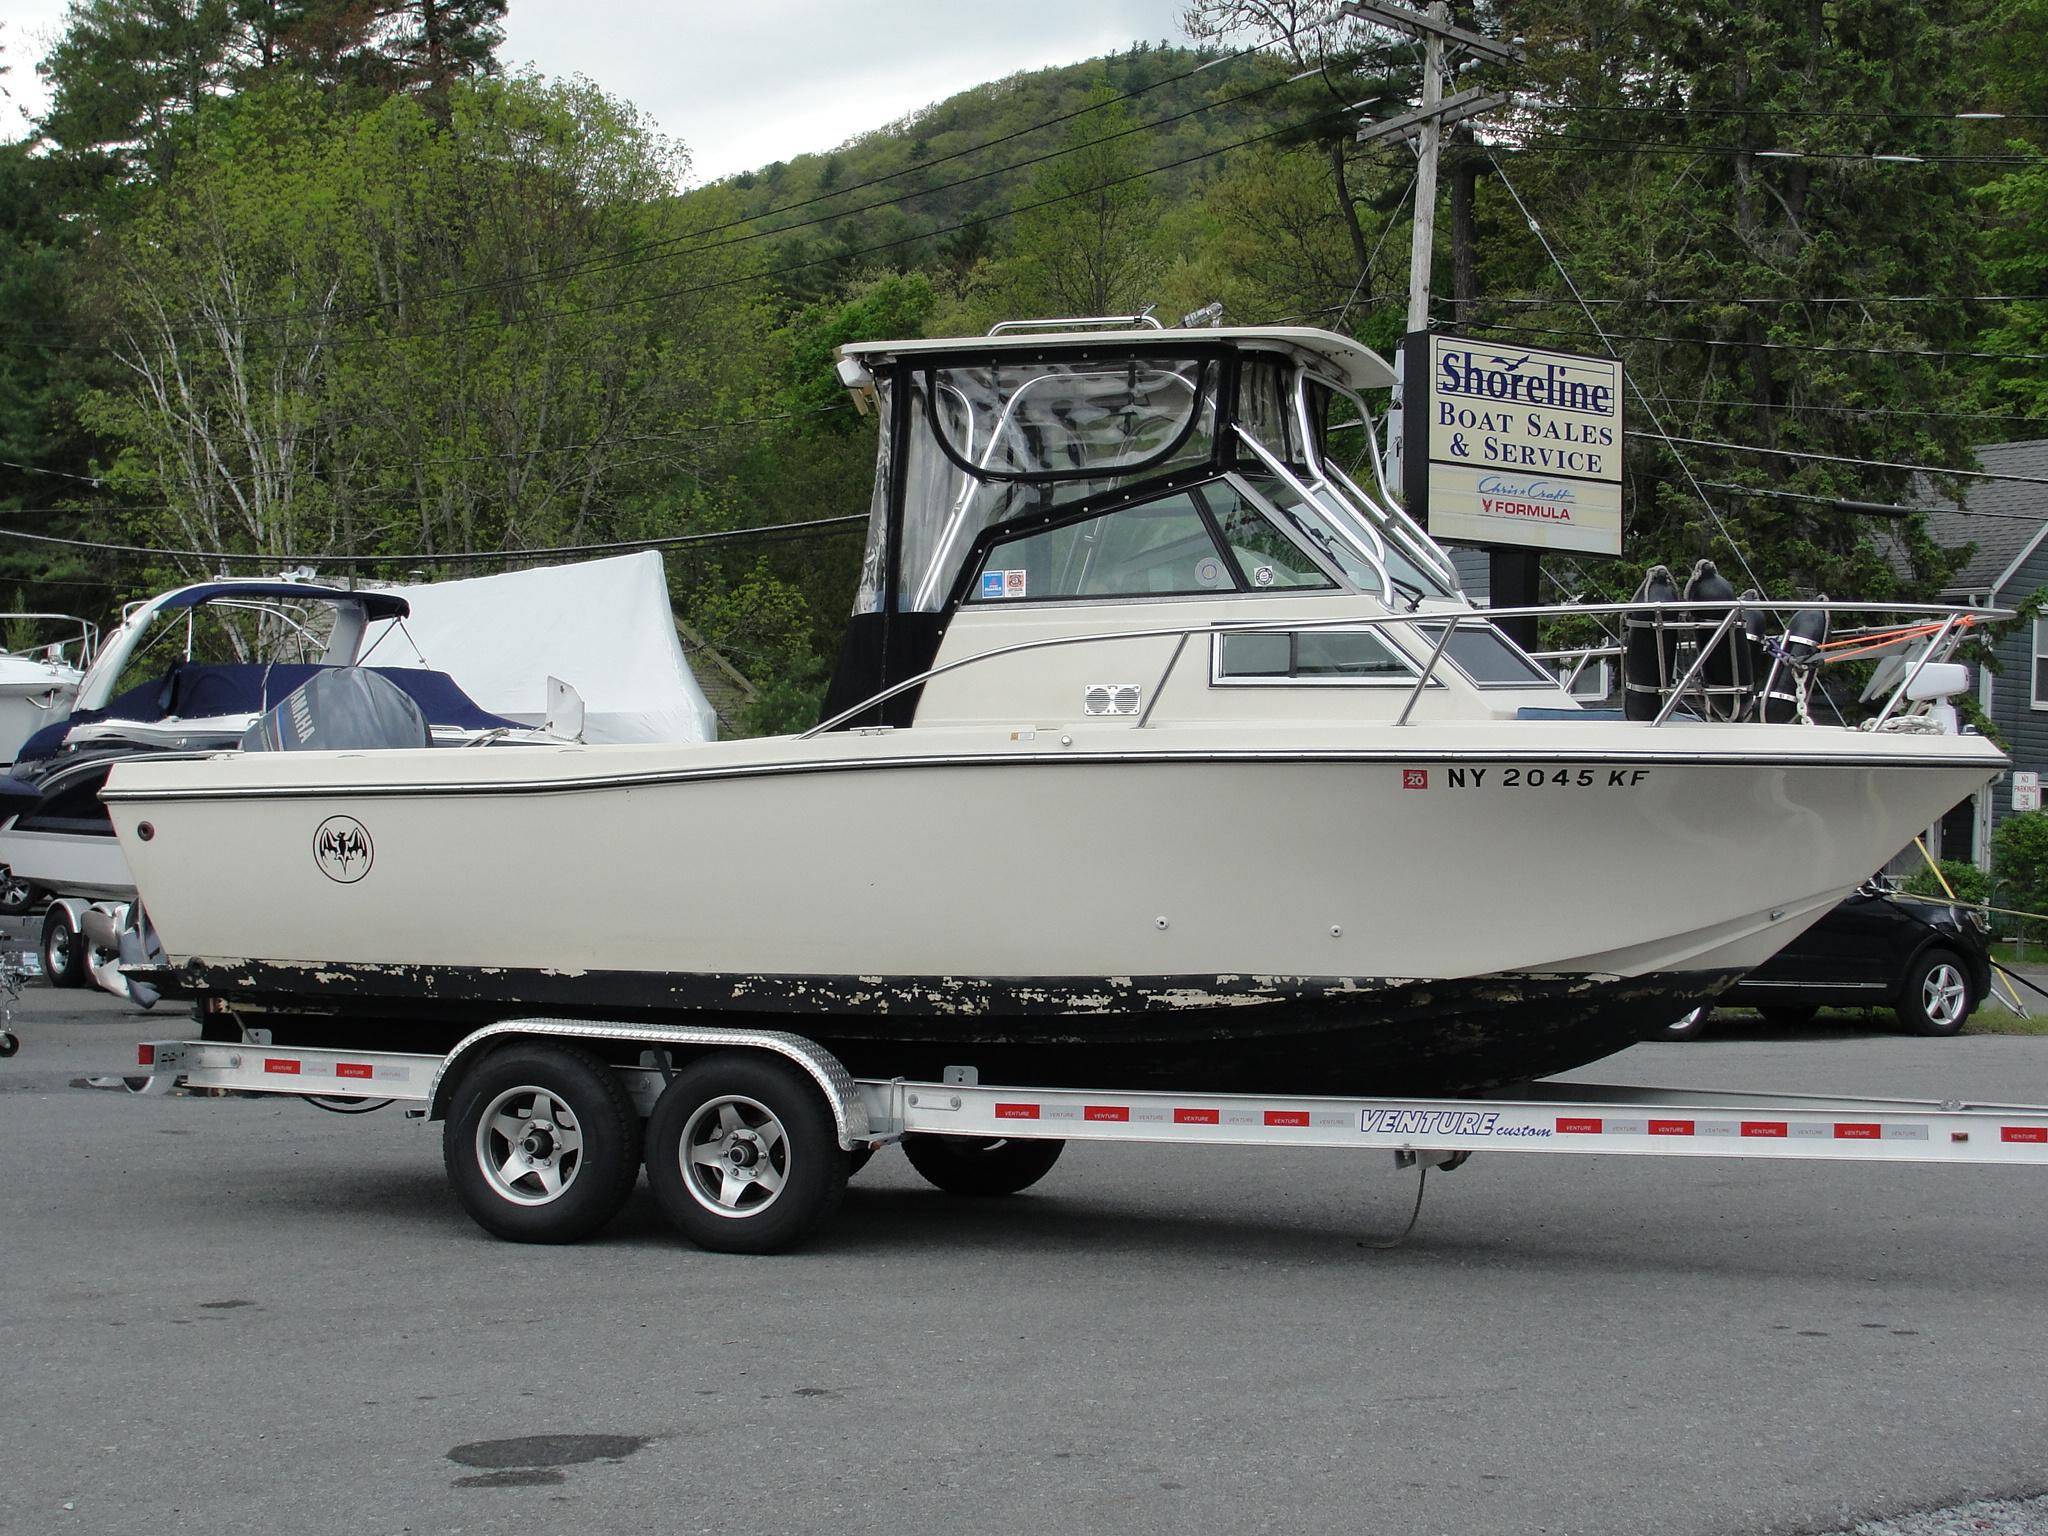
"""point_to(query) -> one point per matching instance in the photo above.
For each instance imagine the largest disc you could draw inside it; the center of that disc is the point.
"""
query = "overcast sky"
(745, 82)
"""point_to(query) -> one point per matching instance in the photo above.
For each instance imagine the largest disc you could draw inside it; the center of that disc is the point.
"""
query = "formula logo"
(342, 849)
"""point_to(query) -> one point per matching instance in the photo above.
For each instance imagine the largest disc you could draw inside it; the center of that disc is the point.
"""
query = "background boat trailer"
(749, 1136)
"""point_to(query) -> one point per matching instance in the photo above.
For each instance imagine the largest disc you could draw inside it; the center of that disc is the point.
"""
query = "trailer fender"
(835, 1083)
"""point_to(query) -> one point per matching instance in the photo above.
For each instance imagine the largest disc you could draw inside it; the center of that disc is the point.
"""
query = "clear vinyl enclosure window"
(994, 442)
(1157, 548)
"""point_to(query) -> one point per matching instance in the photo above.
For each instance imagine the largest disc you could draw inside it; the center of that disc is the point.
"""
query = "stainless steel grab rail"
(1450, 618)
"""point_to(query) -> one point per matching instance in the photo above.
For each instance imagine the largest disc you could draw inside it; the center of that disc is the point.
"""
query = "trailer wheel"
(63, 948)
(982, 1165)
(743, 1155)
(544, 1145)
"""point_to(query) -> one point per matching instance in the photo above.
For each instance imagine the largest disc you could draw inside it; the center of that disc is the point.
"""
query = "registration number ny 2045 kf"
(1532, 778)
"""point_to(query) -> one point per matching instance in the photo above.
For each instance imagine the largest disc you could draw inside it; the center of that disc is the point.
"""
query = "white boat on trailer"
(1162, 754)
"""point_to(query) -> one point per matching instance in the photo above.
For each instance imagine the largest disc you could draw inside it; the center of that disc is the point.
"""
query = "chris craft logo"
(342, 849)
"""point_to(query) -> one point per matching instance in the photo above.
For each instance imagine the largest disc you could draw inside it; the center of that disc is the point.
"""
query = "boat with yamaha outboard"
(1162, 751)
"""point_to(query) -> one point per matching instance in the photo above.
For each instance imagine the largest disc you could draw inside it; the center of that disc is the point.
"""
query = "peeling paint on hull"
(1384, 1037)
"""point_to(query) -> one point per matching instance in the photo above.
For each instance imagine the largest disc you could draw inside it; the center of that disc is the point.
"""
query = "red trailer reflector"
(1670, 1127)
(1766, 1128)
(145, 1055)
(1569, 1125)
(1106, 1112)
(1198, 1117)
(281, 1064)
(1016, 1111)
(353, 1069)
(1858, 1130)
(2023, 1133)
(1287, 1117)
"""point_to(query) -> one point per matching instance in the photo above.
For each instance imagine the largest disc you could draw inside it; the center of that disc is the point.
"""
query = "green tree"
(1083, 245)
(2016, 210)
(1712, 178)
(375, 334)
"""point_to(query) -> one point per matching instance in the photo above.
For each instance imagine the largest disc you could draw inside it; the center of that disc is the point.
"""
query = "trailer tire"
(63, 948)
(542, 1144)
(743, 1155)
(982, 1166)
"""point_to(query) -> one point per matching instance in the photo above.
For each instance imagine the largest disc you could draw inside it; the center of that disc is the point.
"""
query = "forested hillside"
(321, 283)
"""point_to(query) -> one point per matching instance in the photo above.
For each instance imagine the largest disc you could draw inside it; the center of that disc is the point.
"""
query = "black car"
(1927, 961)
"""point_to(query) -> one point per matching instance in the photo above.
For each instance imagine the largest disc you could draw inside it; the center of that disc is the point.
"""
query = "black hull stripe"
(1420, 758)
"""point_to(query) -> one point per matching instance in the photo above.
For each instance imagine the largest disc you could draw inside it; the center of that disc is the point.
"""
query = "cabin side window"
(1344, 656)
(1487, 656)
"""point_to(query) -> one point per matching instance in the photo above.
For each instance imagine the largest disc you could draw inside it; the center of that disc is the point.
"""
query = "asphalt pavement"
(243, 1314)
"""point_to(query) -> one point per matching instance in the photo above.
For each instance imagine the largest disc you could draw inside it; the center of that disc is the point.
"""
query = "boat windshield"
(1349, 541)
(994, 441)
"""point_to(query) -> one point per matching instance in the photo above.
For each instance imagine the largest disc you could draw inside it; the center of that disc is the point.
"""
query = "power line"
(1836, 458)
(1877, 157)
(1692, 109)
(743, 279)
(1932, 353)
(771, 533)
(1871, 298)
(1850, 503)
(632, 256)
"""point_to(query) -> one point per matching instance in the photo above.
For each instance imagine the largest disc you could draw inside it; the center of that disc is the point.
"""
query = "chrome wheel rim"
(734, 1156)
(1945, 995)
(57, 950)
(529, 1146)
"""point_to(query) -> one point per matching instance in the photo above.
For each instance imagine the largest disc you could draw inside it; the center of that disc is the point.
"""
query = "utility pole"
(1511, 572)
(1422, 243)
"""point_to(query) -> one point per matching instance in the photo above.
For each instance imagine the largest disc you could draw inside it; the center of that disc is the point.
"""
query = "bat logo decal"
(342, 849)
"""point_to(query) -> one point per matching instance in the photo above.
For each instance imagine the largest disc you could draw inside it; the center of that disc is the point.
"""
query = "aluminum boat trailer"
(749, 1136)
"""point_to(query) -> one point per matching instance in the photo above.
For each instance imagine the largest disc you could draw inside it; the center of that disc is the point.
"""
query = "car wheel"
(1936, 999)
(1789, 1015)
(1690, 1027)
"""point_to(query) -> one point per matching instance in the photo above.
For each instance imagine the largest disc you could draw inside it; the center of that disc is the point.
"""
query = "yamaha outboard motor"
(1790, 685)
(341, 709)
(1649, 647)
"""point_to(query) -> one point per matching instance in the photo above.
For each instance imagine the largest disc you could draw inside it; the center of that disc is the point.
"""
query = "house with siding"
(2007, 523)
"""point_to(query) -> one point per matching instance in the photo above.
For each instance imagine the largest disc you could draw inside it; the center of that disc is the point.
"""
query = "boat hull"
(1209, 908)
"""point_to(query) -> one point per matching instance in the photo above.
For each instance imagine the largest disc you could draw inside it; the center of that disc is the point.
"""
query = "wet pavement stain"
(515, 1477)
(222, 1306)
(532, 1461)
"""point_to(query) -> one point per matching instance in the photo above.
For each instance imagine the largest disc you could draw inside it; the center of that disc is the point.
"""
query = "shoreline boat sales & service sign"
(1513, 445)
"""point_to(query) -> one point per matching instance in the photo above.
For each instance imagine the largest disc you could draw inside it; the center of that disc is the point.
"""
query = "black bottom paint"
(1266, 1034)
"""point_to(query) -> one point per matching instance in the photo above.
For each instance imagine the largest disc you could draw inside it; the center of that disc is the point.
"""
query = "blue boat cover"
(192, 691)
